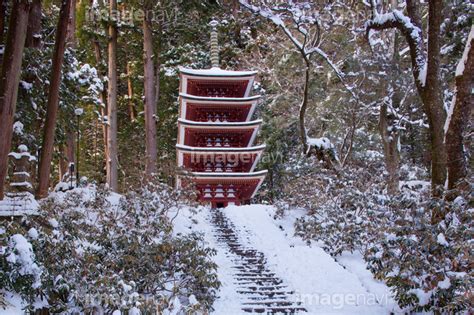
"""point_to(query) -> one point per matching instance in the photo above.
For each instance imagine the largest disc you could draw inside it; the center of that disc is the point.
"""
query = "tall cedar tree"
(53, 101)
(3, 11)
(10, 79)
(150, 92)
(428, 84)
(461, 113)
(388, 132)
(112, 145)
(33, 35)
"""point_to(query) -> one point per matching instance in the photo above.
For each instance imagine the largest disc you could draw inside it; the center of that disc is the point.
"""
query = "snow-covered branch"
(276, 19)
(459, 72)
(413, 34)
(298, 19)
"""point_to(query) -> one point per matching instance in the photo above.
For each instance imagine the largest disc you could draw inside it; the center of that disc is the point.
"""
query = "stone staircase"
(260, 289)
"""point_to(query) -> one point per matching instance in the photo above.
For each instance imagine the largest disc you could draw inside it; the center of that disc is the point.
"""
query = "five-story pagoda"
(216, 132)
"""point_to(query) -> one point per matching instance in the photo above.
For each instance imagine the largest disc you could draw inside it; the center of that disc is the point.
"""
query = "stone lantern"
(19, 200)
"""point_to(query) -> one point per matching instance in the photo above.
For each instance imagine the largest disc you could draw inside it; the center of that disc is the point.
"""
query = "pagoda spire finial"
(214, 44)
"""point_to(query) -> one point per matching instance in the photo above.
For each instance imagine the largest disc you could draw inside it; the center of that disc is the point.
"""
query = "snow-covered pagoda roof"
(230, 175)
(216, 72)
(250, 128)
(240, 108)
(220, 149)
(188, 155)
(207, 125)
(220, 99)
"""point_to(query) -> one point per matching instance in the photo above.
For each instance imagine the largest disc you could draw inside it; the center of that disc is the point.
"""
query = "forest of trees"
(367, 108)
(356, 68)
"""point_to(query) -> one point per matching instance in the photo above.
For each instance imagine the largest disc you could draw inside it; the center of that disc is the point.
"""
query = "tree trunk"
(157, 74)
(112, 145)
(351, 137)
(430, 91)
(150, 89)
(68, 155)
(103, 99)
(71, 26)
(429, 87)
(303, 107)
(68, 149)
(390, 148)
(388, 132)
(131, 105)
(33, 35)
(460, 114)
(53, 101)
(3, 13)
(9, 80)
(433, 99)
(237, 27)
(63, 164)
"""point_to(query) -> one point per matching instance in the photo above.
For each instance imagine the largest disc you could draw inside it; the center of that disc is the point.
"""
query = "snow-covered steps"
(260, 290)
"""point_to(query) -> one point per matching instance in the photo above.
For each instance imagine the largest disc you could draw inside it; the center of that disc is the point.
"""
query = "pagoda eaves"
(216, 133)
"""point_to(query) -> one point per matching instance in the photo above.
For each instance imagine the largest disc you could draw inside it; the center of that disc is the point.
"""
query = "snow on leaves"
(413, 34)
(306, 25)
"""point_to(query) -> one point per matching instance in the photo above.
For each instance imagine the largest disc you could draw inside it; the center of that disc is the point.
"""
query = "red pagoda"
(216, 133)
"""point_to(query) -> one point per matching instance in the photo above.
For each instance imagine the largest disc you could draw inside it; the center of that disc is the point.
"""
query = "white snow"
(440, 239)
(423, 297)
(26, 85)
(462, 62)
(18, 128)
(322, 284)
(415, 184)
(415, 34)
(459, 72)
(422, 74)
(192, 300)
(170, 72)
(22, 151)
(24, 256)
(78, 111)
(354, 263)
(445, 284)
(21, 184)
(217, 72)
(222, 99)
(187, 222)
(53, 222)
(33, 233)
(18, 205)
(14, 304)
(449, 114)
(322, 143)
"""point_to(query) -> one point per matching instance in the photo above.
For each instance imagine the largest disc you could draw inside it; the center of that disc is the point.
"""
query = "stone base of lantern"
(18, 204)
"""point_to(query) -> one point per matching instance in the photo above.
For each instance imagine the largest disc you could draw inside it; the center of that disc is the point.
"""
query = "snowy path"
(260, 289)
(308, 276)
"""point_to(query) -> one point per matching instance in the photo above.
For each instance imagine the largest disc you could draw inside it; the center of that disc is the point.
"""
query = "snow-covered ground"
(322, 284)
(186, 222)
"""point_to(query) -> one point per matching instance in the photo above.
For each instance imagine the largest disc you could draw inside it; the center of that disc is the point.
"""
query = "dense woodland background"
(354, 90)
(360, 114)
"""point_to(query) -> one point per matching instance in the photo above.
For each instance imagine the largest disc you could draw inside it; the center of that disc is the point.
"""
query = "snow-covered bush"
(429, 267)
(342, 209)
(106, 252)
(343, 224)
(20, 271)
